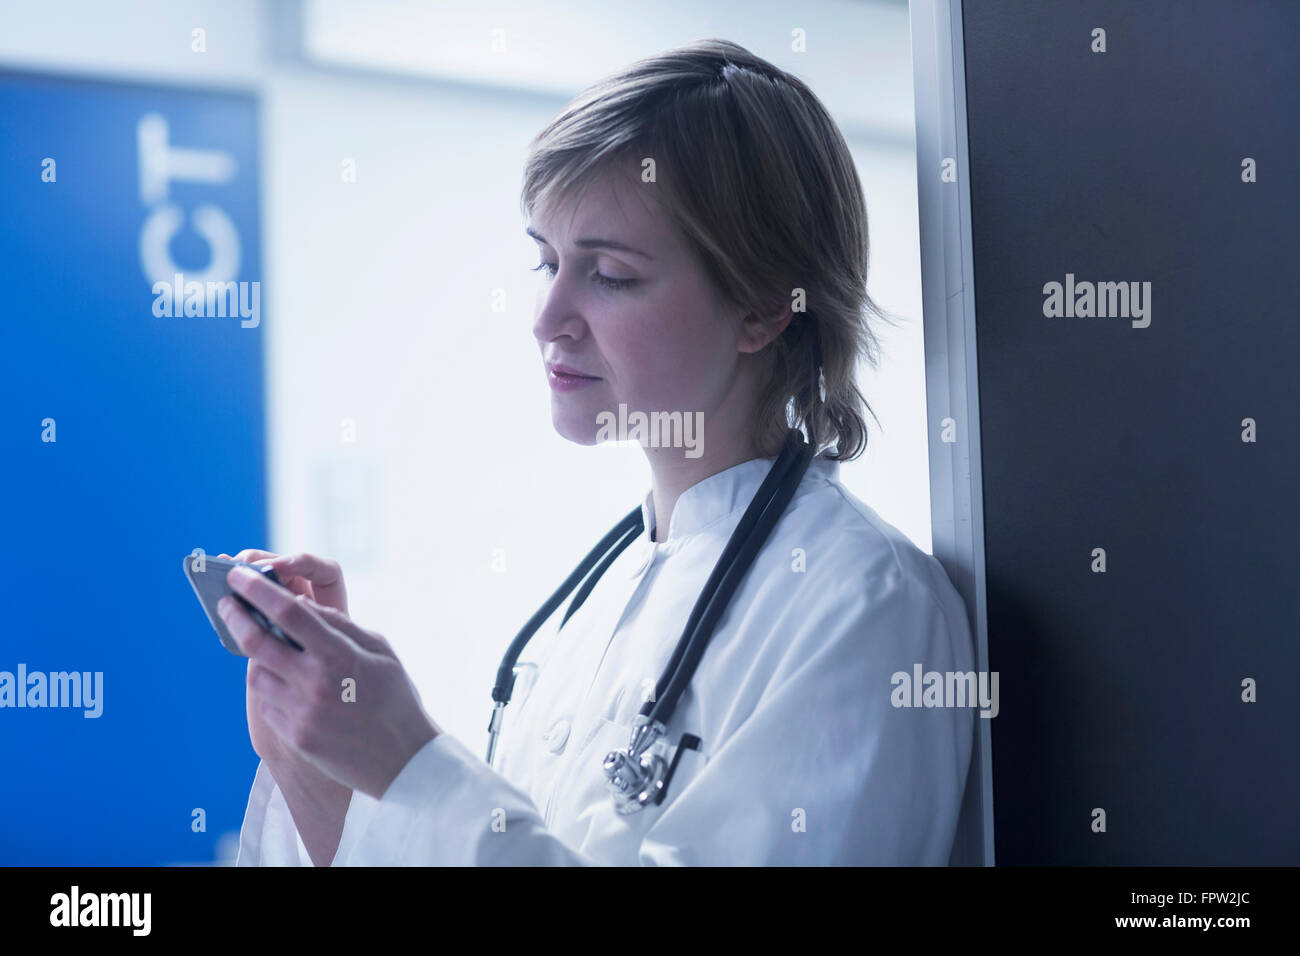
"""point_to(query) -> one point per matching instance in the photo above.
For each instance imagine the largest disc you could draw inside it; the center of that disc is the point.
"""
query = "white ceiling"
(857, 56)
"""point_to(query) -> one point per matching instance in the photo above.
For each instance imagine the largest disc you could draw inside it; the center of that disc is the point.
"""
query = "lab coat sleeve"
(826, 769)
(268, 836)
(447, 807)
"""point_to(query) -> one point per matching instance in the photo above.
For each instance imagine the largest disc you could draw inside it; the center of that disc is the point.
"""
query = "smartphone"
(210, 587)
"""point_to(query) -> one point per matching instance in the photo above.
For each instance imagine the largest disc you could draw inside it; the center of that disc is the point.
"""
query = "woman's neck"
(671, 472)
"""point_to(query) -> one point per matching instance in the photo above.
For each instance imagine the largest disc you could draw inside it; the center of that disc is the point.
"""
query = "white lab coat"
(804, 758)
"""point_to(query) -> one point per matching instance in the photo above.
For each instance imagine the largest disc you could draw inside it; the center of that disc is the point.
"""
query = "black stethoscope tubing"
(755, 526)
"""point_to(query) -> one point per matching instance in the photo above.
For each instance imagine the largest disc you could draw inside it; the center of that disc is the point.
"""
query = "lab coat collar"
(718, 496)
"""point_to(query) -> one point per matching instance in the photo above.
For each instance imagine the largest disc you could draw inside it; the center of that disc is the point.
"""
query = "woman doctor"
(705, 237)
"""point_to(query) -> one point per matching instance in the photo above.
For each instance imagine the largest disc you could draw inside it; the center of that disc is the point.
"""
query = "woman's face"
(628, 307)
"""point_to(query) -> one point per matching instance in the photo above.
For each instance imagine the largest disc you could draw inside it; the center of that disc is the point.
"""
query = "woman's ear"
(755, 333)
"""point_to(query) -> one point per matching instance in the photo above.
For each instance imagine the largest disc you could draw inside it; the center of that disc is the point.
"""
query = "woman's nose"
(555, 315)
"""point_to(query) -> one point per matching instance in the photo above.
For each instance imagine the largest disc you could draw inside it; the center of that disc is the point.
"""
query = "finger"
(277, 718)
(298, 586)
(292, 613)
(264, 558)
(370, 640)
(267, 680)
(256, 641)
(249, 555)
(268, 685)
(324, 574)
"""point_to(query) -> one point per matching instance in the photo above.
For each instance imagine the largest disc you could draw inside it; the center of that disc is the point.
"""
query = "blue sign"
(131, 383)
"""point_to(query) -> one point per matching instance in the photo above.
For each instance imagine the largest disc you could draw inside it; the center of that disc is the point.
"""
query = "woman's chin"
(579, 430)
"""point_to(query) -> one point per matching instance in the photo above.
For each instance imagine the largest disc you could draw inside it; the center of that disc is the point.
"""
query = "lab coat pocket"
(587, 818)
(690, 764)
(606, 736)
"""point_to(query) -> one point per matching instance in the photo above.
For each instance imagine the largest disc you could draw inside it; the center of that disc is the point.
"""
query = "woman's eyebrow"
(594, 244)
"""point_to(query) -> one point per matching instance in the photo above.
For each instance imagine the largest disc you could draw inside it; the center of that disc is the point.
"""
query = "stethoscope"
(640, 773)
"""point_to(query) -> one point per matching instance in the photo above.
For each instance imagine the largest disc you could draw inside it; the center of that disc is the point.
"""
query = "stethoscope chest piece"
(637, 774)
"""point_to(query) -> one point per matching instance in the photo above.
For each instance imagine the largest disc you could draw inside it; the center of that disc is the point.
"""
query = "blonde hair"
(758, 179)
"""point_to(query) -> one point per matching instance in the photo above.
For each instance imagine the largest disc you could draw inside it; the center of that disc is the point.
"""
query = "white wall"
(377, 294)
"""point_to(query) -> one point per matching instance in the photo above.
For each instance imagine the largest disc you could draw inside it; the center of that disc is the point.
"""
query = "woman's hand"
(344, 702)
(319, 579)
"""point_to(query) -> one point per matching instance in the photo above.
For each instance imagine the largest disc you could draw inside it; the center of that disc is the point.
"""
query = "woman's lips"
(564, 379)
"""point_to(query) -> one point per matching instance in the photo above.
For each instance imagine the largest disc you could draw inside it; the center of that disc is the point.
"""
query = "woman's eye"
(550, 269)
(609, 283)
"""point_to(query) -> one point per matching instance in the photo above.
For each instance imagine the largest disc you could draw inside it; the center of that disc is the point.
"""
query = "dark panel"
(1122, 690)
